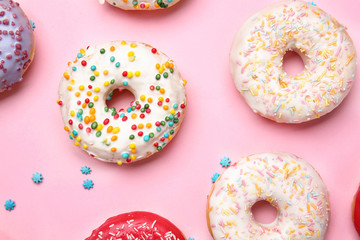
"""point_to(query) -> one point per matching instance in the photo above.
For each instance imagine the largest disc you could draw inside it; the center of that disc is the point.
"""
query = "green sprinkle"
(165, 74)
(171, 70)
(158, 76)
(98, 133)
(172, 131)
(92, 78)
(151, 135)
(94, 125)
(102, 51)
(157, 88)
(91, 104)
(106, 109)
(112, 81)
(131, 137)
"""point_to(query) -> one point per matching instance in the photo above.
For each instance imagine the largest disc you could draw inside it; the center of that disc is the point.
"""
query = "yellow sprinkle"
(148, 125)
(137, 73)
(172, 111)
(132, 58)
(100, 127)
(132, 145)
(131, 53)
(84, 146)
(161, 99)
(106, 83)
(76, 144)
(69, 88)
(96, 73)
(350, 57)
(134, 115)
(72, 82)
(316, 12)
(78, 139)
(130, 74)
(81, 87)
(119, 163)
(72, 113)
(143, 97)
(97, 89)
(184, 82)
(123, 42)
(141, 126)
(116, 130)
(82, 51)
(161, 70)
(96, 98)
(133, 157)
(133, 45)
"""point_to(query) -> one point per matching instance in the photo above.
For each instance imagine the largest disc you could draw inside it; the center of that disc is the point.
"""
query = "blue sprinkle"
(171, 117)
(146, 138)
(135, 3)
(74, 69)
(117, 64)
(129, 110)
(125, 83)
(166, 135)
(122, 115)
(79, 55)
(125, 155)
(71, 137)
(32, 25)
(171, 124)
(112, 59)
(93, 68)
(175, 106)
(158, 129)
(74, 132)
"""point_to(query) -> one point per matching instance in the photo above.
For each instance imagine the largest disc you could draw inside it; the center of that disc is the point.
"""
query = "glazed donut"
(17, 43)
(287, 182)
(137, 225)
(356, 211)
(141, 4)
(326, 49)
(147, 125)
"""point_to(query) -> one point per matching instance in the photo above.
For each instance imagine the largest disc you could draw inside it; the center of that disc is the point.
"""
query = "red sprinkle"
(162, 139)
(124, 118)
(148, 110)
(87, 100)
(142, 115)
(106, 121)
(83, 62)
(124, 73)
(90, 87)
(140, 133)
(116, 116)
(153, 50)
(159, 103)
(156, 144)
(158, 124)
(70, 121)
(78, 102)
(88, 130)
(133, 127)
(152, 87)
(80, 126)
(138, 106)
(182, 105)
(167, 100)
(60, 103)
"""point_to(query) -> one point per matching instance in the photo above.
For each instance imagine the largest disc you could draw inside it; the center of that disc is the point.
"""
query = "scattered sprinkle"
(225, 162)
(9, 205)
(32, 25)
(85, 170)
(215, 177)
(88, 184)
(37, 178)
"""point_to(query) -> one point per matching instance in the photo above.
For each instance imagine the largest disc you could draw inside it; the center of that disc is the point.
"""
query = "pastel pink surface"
(197, 35)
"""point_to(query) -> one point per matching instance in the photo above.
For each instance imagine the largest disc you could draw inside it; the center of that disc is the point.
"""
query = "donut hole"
(120, 99)
(263, 212)
(293, 63)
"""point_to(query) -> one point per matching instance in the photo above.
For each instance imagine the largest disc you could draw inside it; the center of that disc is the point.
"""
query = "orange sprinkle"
(141, 126)
(89, 93)
(113, 149)
(92, 118)
(92, 111)
(112, 48)
(87, 119)
(66, 128)
(114, 138)
(157, 66)
(109, 129)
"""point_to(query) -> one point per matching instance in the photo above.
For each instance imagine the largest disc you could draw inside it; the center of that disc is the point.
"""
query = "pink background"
(174, 183)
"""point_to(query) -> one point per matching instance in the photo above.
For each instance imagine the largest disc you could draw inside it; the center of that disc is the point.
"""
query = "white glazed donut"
(287, 182)
(134, 133)
(142, 4)
(327, 51)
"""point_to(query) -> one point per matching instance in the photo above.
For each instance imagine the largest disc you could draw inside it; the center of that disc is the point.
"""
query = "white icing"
(141, 4)
(284, 180)
(328, 54)
(142, 63)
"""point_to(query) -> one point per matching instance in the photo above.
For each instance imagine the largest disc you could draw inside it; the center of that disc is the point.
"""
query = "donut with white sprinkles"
(16, 44)
(131, 134)
(323, 43)
(287, 182)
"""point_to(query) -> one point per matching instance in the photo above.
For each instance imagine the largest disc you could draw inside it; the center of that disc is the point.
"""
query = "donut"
(137, 225)
(141, 4)
(356, 211)
(325, 47)
(16, 43)
(129, 135)
(287, 182)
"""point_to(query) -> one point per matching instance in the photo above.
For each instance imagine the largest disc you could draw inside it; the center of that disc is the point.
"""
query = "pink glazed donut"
(16, 43)
(327, 51)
